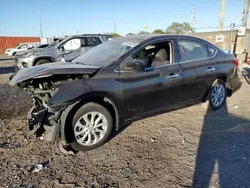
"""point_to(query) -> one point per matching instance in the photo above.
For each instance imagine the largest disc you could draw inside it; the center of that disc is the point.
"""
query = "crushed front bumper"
(42, 122)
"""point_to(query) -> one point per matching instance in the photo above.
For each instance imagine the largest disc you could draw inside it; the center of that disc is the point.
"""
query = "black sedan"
(124, 80)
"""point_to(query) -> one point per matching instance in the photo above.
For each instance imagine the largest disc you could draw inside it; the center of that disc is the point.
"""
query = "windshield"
(54, 43)
(106, 53)
(19, 46)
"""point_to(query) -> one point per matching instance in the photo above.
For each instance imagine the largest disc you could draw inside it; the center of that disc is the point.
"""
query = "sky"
(68, 17)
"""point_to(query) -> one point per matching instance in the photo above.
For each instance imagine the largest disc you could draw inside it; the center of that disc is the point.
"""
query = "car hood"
(46, 70)
(8, 49)
(37, 51)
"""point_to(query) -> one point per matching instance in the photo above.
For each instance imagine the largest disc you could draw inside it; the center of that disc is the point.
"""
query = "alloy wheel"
(218, 95)
(90, 128)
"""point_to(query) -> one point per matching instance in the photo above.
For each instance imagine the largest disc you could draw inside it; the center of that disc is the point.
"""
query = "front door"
(155, 88)
(70, 50)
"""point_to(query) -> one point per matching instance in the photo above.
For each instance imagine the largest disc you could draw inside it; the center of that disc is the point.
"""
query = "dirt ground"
(192, 147)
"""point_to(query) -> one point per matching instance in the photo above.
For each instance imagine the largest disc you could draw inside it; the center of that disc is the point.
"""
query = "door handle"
(210, 69)
(173, 76)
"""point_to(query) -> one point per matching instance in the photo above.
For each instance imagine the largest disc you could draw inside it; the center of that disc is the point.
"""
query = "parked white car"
(21, 47)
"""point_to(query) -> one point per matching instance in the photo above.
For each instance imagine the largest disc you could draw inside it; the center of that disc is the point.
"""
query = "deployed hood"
(46, 70)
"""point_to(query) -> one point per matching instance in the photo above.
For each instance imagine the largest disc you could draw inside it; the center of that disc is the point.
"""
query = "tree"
(115, 34)
(179, 28)
(158, 31)
(143, 32)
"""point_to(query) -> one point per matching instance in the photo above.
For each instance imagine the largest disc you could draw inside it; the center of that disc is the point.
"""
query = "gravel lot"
(192, 147)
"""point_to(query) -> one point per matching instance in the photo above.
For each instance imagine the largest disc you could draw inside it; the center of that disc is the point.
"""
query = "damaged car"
(123, 80)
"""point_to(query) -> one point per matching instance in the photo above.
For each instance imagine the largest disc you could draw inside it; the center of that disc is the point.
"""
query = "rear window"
(92, 41)
(191, 50)
(211, 51)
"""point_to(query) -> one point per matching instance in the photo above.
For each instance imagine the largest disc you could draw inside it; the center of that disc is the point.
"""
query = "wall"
(9, 42)
(228, 38)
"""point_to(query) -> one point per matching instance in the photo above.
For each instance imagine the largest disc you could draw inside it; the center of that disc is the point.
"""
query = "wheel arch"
(49, 58)
(101, 99)
(224, 78)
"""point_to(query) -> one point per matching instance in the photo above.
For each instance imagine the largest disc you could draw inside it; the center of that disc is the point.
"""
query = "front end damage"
(44, 118)
(43, 83)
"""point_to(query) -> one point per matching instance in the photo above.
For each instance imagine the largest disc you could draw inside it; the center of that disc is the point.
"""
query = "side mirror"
(136, 65)
(61, 49)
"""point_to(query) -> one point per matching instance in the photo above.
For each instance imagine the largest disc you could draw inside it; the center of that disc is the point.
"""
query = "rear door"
(199, 70)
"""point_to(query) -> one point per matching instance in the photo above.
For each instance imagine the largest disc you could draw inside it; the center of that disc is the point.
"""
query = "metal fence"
(9, 42)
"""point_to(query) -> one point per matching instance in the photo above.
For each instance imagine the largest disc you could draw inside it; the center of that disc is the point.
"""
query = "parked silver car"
(66, 50)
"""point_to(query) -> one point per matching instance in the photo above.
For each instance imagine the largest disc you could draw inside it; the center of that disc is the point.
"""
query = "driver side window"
(72, 44)
(155, 55)
(22, 46)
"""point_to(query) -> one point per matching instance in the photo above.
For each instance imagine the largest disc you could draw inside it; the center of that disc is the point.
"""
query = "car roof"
(143, 37)
(29, 43)
(89, 35)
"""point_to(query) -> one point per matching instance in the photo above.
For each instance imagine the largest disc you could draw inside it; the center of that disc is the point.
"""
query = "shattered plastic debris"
(152, 139)
(37, 168)
(67, 150)
(235, 106)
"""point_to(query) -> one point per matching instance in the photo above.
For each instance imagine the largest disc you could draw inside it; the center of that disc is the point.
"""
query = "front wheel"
(217, 95)
(92, 125)
(43, 61)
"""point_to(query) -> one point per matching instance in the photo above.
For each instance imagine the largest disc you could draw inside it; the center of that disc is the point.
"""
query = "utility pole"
(192, 21)
(245, 13)
(40, 22)
(233, 38)
(115, 27)
(222, 14)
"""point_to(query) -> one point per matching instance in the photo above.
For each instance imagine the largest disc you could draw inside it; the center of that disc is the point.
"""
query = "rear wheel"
(217, 95)
(91, 127)
(43, 61)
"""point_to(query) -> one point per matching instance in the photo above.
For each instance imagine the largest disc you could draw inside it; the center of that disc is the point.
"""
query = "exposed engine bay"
(42, 83)
(44, 118)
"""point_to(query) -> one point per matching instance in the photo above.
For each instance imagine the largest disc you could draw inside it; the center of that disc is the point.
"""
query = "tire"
(217, 86)
(43, 61)
(82, 140)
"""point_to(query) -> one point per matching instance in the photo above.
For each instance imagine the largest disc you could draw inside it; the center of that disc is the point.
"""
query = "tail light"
(236, 62)
(248, 61)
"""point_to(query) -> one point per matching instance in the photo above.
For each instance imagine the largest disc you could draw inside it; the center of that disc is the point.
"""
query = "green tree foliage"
(158, 31)
(179, 28)
(143, 32)
(115, 34)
